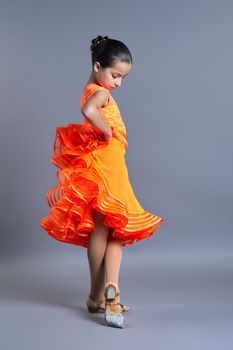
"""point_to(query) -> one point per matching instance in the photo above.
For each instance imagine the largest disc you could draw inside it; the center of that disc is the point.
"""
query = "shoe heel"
(110, 293)
(91, 310)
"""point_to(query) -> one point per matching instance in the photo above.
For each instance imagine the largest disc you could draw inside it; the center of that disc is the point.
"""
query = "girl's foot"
(95, 306)
(100, 300)
(98, 305)
(114, 312)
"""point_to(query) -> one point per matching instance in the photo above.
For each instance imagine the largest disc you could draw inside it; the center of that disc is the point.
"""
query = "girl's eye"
(116, 77)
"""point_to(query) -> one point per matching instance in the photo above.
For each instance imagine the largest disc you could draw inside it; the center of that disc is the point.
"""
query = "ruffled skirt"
(93, 175)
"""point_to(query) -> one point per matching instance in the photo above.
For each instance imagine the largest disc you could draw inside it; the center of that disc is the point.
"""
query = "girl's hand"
(108, 136)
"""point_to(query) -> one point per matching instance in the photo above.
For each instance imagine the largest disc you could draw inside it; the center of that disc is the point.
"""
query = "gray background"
(177, 107)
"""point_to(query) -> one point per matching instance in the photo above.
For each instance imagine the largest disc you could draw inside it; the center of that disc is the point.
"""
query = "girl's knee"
(98, 217)
(111, 238)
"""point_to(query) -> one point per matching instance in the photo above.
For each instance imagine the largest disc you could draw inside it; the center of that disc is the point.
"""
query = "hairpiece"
(100, 40)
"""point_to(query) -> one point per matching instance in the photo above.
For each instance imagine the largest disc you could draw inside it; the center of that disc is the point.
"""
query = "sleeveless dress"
(93, 175)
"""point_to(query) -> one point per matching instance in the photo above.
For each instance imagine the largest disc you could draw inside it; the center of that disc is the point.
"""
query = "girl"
(93, 205)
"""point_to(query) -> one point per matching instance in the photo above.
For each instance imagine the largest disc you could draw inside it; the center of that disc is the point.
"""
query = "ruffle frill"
(82, 188)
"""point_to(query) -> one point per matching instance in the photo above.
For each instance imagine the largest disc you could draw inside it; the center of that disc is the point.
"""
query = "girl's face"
(111, 77)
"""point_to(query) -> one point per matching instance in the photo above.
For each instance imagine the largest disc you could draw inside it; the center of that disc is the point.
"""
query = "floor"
(173, 306)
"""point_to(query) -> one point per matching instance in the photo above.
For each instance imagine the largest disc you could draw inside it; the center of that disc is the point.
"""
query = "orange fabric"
(93, 174)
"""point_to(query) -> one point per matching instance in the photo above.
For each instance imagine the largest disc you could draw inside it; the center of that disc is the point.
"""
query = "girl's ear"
(97, 67)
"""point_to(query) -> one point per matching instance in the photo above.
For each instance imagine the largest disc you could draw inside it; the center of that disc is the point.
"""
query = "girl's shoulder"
(90, 89)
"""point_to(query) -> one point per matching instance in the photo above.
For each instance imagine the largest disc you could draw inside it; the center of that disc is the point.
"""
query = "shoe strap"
(97, 303)
(114, 308)
(112, 284)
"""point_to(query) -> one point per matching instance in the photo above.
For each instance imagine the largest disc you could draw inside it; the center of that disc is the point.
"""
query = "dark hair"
(107, 51)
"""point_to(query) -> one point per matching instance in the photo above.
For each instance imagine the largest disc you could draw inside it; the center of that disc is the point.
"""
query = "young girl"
(93, 205)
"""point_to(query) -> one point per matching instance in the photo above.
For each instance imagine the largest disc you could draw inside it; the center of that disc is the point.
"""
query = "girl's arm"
(91, 111)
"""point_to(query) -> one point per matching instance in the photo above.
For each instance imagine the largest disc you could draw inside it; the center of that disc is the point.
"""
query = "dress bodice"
(110, 113)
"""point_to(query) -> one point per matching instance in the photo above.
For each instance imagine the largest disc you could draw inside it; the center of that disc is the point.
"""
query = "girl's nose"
(118, 83)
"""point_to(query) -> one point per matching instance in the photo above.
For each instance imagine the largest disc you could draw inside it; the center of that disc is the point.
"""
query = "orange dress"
(93, 174)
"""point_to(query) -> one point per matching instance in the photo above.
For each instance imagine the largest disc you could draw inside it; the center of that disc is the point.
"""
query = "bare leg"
(112, 260)
(95, 252)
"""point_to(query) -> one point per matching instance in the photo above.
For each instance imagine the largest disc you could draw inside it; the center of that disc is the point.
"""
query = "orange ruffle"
(93, 175)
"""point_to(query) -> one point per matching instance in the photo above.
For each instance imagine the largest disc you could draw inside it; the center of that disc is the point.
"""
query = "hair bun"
(98, 40)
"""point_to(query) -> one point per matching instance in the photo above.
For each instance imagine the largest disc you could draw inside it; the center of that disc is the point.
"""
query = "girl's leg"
(112, 260)
(95, 253)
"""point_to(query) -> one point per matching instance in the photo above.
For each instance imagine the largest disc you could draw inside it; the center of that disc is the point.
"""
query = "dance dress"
(93, 175)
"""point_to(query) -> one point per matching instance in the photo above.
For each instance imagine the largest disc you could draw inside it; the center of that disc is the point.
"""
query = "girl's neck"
(92, 79)
(91, 82)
